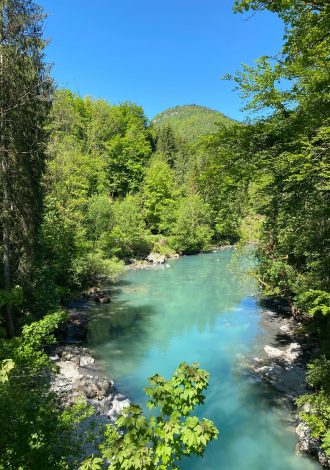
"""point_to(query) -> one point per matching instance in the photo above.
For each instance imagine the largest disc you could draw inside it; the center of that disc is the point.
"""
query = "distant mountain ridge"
(191, 121)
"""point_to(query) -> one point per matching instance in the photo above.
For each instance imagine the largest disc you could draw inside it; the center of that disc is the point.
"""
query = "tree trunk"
(6, 262)
(5, 207)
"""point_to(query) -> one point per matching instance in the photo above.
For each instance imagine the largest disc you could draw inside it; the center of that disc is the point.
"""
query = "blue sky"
(157, 53)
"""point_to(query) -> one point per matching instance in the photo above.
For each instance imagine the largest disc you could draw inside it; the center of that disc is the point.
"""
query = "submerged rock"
(280, 368)
(274, 353)
(290, 354)
(288, 379)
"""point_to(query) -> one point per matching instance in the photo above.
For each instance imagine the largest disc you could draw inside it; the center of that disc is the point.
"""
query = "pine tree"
(166, 143)
(24, 95)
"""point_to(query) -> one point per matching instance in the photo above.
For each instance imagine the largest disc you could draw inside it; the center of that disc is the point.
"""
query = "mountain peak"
(191, 121)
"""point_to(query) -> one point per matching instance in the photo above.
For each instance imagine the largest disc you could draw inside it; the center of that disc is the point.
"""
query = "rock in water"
(98, 295)
(156, 258)
(94, 387)
(119, 403)
(289, 355)
(288, 379)
(274, 353)
(104, 299)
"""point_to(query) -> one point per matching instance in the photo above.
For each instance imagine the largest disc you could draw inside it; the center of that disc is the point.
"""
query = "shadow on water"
(275, 304)
(117, 288)
(123, 282)
(124, 325)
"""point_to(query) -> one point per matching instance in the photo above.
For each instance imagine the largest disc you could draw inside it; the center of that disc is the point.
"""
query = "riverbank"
(281, 360)
(159, 259)
(79, 376)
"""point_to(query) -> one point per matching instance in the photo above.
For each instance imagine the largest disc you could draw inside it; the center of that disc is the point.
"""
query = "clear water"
(196, 309)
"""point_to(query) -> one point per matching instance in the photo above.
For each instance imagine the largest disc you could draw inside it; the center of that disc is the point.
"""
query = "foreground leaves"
(137, 442)
(36, 432)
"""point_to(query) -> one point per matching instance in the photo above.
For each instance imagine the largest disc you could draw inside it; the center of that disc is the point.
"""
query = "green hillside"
(191, 121)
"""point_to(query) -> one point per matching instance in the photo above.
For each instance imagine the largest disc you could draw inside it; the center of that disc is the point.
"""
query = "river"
(197, 308)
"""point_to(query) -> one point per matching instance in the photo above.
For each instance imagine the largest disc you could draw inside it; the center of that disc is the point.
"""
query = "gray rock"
(293, 352)
(85, 360)
(271, 314)
(323, 459)
(118, 405)
(290, 354)
(287, 379)
(309, 445)
(307, 408)
(79, 356)
(156, 258)
(54, 358)
(287, 329)
(67, 356)
(120, 397)
(273, 353)
(306, 443)
(94, 387)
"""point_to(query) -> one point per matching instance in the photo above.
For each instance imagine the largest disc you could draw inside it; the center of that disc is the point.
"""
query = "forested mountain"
(191, 121)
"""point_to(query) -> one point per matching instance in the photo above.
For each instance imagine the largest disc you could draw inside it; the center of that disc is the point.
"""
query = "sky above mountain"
(158, 53)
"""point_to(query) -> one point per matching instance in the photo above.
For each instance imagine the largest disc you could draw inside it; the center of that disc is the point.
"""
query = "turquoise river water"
(197, 309)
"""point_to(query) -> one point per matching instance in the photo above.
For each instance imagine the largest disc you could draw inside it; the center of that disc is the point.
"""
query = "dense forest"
(191, 121)
(88, 187)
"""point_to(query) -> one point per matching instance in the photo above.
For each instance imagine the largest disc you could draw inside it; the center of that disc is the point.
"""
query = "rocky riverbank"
(158, 259)
(281, 360)
(151, 261)
(79, 377)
